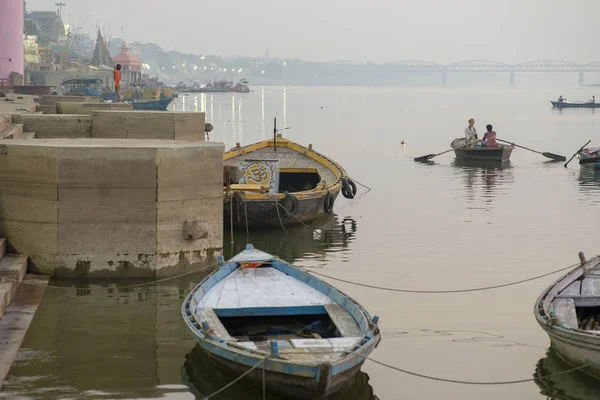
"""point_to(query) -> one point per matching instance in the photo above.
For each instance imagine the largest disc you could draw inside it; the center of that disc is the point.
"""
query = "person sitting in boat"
(561, 99)
(470, 131)
(592, 100)
(489, 138)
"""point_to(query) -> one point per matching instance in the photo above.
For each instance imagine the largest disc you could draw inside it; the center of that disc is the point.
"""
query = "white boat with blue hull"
(312, 337)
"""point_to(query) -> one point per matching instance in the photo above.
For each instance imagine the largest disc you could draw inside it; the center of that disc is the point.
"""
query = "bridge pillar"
(445, 78)
(581, 78)
(512, 78)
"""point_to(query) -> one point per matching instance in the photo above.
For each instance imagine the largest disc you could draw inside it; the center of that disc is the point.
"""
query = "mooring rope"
(366, 187)
(153, 282)
(477, 289)
(460, 382)
(261, 362)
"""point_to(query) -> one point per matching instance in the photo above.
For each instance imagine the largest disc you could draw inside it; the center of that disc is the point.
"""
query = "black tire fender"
(290, 205)
(348, 188)
(328, 202)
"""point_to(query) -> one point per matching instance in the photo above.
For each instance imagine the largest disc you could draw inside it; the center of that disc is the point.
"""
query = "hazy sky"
(443, 31)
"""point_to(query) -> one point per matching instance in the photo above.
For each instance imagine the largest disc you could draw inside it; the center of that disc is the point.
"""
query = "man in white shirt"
(470, 131)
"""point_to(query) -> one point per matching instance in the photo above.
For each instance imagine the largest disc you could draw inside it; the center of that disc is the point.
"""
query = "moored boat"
(569, 312)
(499, 153)
(557, 104)
(590, 157)
(278, 181)
(156, 105)
(310, 338)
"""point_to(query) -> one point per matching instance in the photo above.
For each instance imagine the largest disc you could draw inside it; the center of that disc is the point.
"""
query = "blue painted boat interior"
(232, 317)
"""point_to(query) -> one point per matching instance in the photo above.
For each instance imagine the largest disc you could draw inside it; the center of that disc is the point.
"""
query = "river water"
(442, 225)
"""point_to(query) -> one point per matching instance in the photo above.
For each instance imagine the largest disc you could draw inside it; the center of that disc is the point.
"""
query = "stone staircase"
(20, 296)
(8, 130)
(13, 268)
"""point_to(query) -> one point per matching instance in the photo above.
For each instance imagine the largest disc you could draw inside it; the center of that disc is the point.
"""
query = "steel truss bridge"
(494, 66)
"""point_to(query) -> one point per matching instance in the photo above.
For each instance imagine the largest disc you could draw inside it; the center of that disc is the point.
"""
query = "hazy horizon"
(380, 31)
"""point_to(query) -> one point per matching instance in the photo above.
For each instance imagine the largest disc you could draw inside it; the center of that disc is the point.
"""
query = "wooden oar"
(577, 152)
(430, 156)
(545, 154)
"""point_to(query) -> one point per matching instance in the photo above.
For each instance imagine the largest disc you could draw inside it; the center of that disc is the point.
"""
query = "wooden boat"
(499, 154)
(590, 157)
(569, 312)
(257, 307)
(278, 181)
(156, 105)
(83, 86)
(557, 104)
(203, 377)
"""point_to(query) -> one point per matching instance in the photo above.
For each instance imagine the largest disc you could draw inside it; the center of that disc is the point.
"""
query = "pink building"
(11, 31)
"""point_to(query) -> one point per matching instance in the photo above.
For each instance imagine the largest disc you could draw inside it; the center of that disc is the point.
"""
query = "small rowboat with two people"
(304, 338)
(559, 104)
(569, 312)
(277, 181)
(466, 151)
(590, 158)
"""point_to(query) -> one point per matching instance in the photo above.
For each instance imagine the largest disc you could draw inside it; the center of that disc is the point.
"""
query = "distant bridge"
(494, 66)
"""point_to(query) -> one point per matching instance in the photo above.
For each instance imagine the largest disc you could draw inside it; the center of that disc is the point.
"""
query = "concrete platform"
(17, 103)
(86, 108)
(56, 126)
(112, 207)
(148, 125)
(17, 318)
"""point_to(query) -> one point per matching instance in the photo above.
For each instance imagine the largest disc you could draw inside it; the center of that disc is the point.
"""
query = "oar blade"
(555, 157)
(424, 158)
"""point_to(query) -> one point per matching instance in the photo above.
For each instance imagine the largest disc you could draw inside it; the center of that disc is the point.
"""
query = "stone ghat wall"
(110, 124)
(112, 208)
(148, 125)
(87, 108)
(55, 126)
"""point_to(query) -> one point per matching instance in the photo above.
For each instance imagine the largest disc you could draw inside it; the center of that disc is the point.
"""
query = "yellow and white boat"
(277, 181)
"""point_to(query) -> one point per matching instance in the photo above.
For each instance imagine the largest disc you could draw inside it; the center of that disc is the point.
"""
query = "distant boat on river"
(578, 104)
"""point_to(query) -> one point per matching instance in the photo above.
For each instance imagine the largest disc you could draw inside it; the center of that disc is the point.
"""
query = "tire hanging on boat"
(290, 205)
(348, 188)
(236, 200)
(328, 202)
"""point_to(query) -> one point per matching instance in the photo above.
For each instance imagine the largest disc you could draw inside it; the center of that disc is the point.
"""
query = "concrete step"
(11, 131)
(17, 319)
(12, 270)
(25, 136)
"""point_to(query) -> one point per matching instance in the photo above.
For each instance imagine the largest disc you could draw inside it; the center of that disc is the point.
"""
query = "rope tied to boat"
(477, 289)
(153, 282)
(261, 362)
(480, 383)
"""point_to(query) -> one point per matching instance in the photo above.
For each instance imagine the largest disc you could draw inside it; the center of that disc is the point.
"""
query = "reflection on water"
(570, 386)
(71, 349)
(330, 234)
(204, 377)
(483, 180)
(589, 180)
